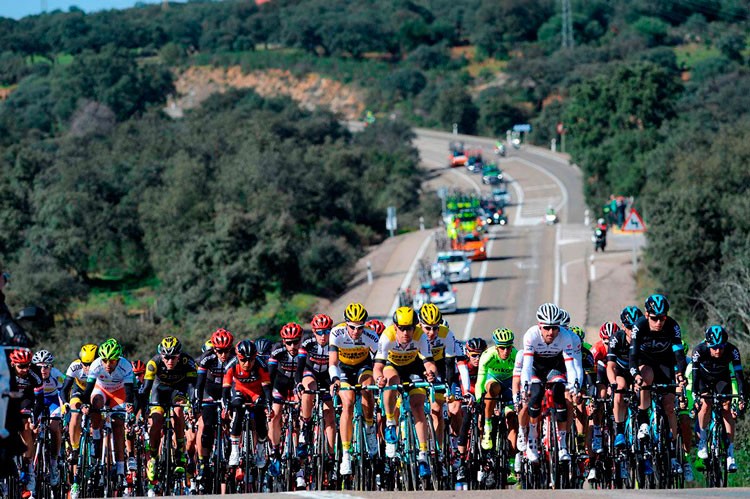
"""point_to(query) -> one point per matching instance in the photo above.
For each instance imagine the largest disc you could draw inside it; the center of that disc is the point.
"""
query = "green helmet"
(503, 337)
(110, 350)
(579, 331)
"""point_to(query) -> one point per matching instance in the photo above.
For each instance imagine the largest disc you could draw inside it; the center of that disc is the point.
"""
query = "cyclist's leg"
(98, 398)
(74, 424)
(647, 374)
(345, 419)
(364, 376)
(416, 401)
(389, 396)
(492, 388)
(620, 407)
(307, 399)
(116, 401)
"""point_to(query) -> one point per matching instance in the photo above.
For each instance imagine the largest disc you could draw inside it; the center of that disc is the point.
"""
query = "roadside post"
(391, 223)
(634, 225)
(421, 223)
(369, 272)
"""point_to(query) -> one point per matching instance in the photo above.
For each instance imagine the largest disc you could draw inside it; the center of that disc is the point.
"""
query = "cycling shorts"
(663, 373)
(322, 380)
(114, 400)
(283, 389)
(413, 371)
(163, 396)
(352, 375)
(53, 405)
(506, 390)
(212, 392)
(621, 372)
(75, 396)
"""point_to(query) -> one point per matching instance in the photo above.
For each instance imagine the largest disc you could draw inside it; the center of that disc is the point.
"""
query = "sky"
(17, 9)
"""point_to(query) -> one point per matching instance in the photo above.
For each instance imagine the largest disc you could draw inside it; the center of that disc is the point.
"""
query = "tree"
(455, 106)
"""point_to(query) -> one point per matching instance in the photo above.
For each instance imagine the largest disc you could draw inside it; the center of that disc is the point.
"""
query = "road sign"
(634, 223)
(525, 127)
(560, 128)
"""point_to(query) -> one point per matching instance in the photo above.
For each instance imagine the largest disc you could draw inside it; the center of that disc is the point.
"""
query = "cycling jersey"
(661, 350)
(282, 362)
(468, 375)
(75, 372)
(544, 357)
(391, 352)
(709, 370)
(117, 379)
(353, 352)
(253, 383)
(618, 350)
(491, 366)
(316, 355)
(52, 385)
(183, 374)
(211, 372)
(443, 347)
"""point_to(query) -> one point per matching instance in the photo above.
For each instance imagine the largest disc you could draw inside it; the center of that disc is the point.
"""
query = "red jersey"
(599, 351)
(249, 383)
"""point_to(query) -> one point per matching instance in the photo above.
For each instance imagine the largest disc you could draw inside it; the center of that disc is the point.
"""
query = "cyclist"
(599, 351)
(350, 362)
(442, 343)
(170, 377)
(404, 354)
(282, 366)
(618, 373)
(30, 405)
(247, 381)
(263, 346)
(583, 427)
(211, 367)
(376, 325)
(110, 384)
(52, 382)
(684, 419)
(656, 356)
(75, 382)
(139, 372)
(312, 374)
(548, 350)
(715, 361)
(495, 378)
(468, 370)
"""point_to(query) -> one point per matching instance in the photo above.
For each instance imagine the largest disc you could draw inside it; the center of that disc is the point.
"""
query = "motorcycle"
(599, 239)
(550, 218)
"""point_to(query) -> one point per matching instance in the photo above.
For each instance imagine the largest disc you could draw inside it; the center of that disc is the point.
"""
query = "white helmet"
(548, 314)
(564, 318)
(43, 357)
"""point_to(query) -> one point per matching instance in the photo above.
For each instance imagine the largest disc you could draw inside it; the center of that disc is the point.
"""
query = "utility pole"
(567, 25)
(44, 6)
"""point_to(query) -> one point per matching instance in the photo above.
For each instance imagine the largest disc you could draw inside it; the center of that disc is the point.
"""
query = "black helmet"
(263, 346)
(246, 350)
(630, 315)
(657, 304)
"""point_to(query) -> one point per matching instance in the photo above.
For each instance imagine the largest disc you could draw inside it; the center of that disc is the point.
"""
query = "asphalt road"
(526, 257)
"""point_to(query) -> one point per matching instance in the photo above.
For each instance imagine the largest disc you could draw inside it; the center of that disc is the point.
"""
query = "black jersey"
(281, 362)
(656, 348)
(618, 350)
(711, 369)
(210, 365)
(316, 355)
(183, 373)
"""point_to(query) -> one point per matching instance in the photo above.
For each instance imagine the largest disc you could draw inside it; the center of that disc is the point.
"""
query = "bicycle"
(167, 466)
(42, 461)
(556, 472)
(245, 477)
(285, 480)
(363, 469)
(319, 476)
(716, 472)
(494, 462)
(664, 475)
(136, 431)
(216, 472)
(84, 479)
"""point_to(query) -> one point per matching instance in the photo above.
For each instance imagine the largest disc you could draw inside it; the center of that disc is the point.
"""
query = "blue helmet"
(657, 304)
(716, 336)
(630, 315)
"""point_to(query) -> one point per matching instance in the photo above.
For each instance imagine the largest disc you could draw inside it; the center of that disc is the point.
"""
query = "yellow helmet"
(404, 317)
(429, 314)
(88, 353)
(355, 312)
(170, 346)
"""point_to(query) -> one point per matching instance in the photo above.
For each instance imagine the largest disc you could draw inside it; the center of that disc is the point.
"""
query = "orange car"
(474, 245)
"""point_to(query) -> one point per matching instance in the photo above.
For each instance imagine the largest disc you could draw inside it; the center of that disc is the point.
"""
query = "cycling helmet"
(579, 331)
(564, 318)
(608, 330)
(139, 367)
(291, 331)
(657, 304)
(716, 336)
(263, 346)
(246, 349)
(376, 326)
(475, 345)
(43, 357)
(321, 321)
(222, 339)
(503, 337)
(21, 356)
(429, 314)
(87, 353)
(355, 312)
(404, 317)
(548, 314)
(110, 350)
(630, 315)
(170, 346)
(208, 345)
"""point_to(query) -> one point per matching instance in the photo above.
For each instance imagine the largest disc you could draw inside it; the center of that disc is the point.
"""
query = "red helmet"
(375, 325)
(222, 339)
(608, 330)
(21, 356)
(291, 331)
(321, 321)
(139, 367)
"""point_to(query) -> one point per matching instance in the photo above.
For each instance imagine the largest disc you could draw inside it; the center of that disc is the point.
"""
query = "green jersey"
(491, 366)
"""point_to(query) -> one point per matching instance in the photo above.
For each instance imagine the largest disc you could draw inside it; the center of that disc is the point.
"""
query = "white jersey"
(53, 384)
(122, 375)
(566, 344)
(353, 352)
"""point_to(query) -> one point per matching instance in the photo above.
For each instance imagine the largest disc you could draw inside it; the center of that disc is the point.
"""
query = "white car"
(452, 265)
(440, 293)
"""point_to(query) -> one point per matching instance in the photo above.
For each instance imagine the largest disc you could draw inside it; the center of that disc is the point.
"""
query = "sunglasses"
(356, 327)
(23, 366)
(44, 366)
(292, 342)
(504, 347)
(86, 364)
(658, 318)
(170, 357)
(430, 328)
(718, 347)
(322, 332)
(222, 350)
(474, 355)
(550, 328)
(406, 328)
(245, 360)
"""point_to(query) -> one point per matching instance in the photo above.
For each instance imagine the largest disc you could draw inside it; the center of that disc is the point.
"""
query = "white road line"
(468, 179)
(565, 269)
(409, 275)
(564, 191)
(477, 293)
(317, 494)
(556, 293)
(542, 187)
